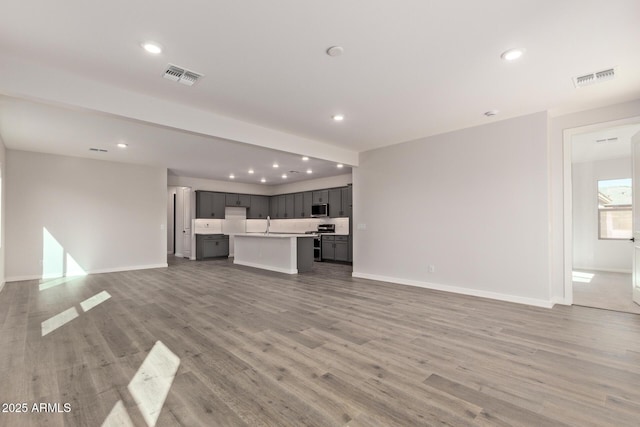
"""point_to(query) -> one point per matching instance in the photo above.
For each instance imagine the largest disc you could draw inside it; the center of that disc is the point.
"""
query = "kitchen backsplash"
(296, 225)
(236, 224)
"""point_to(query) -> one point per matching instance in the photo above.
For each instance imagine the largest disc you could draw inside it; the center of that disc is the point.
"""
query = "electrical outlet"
(432, 268)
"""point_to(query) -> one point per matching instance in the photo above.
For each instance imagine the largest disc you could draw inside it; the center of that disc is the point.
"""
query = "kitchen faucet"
(268, 224)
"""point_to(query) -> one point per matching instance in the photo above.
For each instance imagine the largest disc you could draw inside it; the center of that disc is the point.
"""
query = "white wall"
(3, 198)
(589, 252)
(106, 216)
(472, 203)
(557, 125)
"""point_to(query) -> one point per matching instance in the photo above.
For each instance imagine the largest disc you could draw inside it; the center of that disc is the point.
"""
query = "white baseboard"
(458, 290)
(559, 300)
(178, 255)
(606, 270)
(1, 286)
(99, 271)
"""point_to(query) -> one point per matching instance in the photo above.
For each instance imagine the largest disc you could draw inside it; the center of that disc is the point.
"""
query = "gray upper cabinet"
(335, 203)
(278, 207)
(210, 205)
(259, 208)
(289, 205)
(320, 197)
(239, 200)
(302, 204)
(347, 200)
(340, 202)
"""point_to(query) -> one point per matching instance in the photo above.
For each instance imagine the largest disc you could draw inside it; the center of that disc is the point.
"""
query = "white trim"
(606, 270)
(100, 271)
(567, 134)
(266, 267)
(2, 286)
(559, 300)
(178, 255)
(458, 290)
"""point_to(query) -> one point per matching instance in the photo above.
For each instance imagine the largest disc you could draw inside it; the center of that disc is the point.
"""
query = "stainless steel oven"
(317, 248)
(317, 240)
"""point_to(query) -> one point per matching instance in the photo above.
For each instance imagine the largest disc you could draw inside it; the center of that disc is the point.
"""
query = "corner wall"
(66, 215)
(471, 203)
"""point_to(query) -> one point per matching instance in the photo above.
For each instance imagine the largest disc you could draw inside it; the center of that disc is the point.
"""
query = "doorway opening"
(598, 211)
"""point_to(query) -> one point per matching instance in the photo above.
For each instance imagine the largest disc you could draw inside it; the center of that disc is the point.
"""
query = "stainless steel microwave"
(319, 210)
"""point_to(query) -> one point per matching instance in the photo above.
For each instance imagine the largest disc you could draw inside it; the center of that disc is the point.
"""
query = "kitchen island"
(284, 253)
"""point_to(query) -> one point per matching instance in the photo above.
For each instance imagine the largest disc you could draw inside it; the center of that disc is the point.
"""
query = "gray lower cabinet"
(211, 246)
(335, 248)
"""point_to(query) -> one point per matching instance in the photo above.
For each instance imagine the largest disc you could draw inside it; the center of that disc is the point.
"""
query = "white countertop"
(273, 235)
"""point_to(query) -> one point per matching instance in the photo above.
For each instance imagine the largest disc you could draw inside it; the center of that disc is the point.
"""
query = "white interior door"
(635, 149)
(186, 222)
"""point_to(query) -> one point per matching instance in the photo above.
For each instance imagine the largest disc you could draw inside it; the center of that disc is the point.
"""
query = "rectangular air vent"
(606, 140)
(181, 75)
(597, 77)
(100, 150)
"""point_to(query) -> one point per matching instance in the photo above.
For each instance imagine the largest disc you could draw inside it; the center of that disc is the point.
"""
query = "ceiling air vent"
(181, 75)
(606, 140)
(597, 77)
(100, 150)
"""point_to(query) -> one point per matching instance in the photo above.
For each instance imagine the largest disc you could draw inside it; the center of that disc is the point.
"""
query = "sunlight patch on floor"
(95, 300)
(581, 277)
(150, 385)
(118, 417)
(58, 320)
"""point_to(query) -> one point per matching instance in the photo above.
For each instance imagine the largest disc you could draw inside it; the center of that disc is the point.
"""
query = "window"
(614, 209)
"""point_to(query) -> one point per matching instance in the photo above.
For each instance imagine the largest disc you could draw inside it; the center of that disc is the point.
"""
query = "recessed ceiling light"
(512, 54)
(263, 180)
(305, 158)
(338, 117)
(232, 176)
(284, 176)
(309, 171)
(339, 165)
(491, 113)
(251, 171)
(152, 47)
(122, 145)
(276, 166)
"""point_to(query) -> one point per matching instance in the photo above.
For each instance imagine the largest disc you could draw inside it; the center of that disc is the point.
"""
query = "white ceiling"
(410, 69)
(38, 127)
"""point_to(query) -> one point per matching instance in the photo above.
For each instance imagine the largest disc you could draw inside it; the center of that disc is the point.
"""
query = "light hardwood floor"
(317, 349)
(602, 289)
